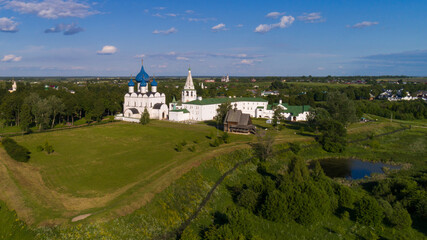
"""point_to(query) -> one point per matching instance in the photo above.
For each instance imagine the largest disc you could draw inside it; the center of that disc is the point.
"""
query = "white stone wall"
(142, 101)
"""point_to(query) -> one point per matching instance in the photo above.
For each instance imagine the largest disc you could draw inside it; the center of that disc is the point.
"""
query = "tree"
(341, 108)
(57, 107)
(333, 136)
(264, 146)
(145, 117)
(42, 111)
(368, 211)
(26, 117)
(400, 217)
(221, 112)
(277, 115)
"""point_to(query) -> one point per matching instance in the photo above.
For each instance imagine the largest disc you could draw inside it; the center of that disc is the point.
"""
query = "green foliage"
(16, 151)
(263, 147)
(225, 137)
(221, 112)
(400, 218)
(183, 143)
(48, 148)
(295, 147)
(11, 227)
(333, 136)
(275, 207)
(179, 147)
(248, 199)
(25, 117)
(192, 148)
(341, 108)
(368, 211)
(318, 171)
(39, 148)
(216, 142)
(145, 117)
(346, 197)
(298, 170)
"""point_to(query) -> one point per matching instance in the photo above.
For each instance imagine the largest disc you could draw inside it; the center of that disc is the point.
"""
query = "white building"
(193, 108)
(225, 79)
(14, 87)
(136, 102)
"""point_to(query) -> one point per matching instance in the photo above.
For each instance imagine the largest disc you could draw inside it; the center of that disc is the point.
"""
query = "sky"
(239, 38)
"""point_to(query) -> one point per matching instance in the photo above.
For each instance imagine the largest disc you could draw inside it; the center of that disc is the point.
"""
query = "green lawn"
(107, 166)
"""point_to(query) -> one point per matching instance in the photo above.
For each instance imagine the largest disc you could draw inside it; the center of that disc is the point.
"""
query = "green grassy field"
(105, 168)
(335, 85)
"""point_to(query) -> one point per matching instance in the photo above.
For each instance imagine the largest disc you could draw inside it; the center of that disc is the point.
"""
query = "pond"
(352, 168)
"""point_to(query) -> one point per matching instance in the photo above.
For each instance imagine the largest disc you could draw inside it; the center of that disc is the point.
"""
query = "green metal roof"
(208, 101)
(296, 110)
(181, 110)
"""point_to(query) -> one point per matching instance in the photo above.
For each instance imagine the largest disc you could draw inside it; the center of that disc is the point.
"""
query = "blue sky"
(241, 38)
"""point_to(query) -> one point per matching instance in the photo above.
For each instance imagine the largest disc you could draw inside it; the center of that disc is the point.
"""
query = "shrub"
(225, 137)
(16, 151)
(145, 117)
(368, 211)
(295, 147)
(248, 199)
(345, 215)
(192, 148)
(178, 148)
(400, 217)
(275, 207)
(345, 197)
(39, 148)
(48, 148)
(216, 142)
(183, 143)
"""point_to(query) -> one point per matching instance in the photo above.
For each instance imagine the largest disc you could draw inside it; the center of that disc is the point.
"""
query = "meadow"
(131, 192)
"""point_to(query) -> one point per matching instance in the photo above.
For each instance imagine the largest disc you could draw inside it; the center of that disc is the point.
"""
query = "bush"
(345, 197)
(39, 148)
(295, 147)
(225, 137)
(275, 207)
(178, 148)
(248, 199)
(48, 148)
(16, 151)
(216, 142)
(400, 218)
(183, 143)
(368, 211)
(192, 148)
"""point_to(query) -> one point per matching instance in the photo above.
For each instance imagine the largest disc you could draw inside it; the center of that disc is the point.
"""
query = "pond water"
(352, 168)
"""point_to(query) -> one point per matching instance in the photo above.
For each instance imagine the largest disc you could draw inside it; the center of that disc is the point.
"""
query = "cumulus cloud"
(219, 27)
(363, 24)
(166, 32)
(189, 11)
(11, 58)
(107, 50)
(51, 9)
(67, 29)
(182, 58)
(239, 25)
(249, 61)
(275, 14)
(8, 25)
(201, 19)
(311, 17)
(285, 22)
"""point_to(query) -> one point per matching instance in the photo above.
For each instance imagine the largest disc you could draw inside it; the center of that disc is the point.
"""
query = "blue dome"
(143, 83)
(142, 75)
(154, 83)
(131, 83)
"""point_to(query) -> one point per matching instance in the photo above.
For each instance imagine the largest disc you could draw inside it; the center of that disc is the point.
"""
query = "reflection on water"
(351, 168)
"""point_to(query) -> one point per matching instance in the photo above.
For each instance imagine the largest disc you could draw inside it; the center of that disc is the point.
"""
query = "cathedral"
(144, 97)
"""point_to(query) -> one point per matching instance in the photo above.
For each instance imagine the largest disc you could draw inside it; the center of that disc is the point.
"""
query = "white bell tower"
(189, 93)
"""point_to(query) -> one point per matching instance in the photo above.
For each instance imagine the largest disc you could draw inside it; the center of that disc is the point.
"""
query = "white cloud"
(166, 32)
(51, 9)
(311, 17)
(140, 56)
(285, 22)
(68, 29)
(171, 14)
(363, 24)
(275, 14)
(107, 50)
(201, 19)
(249, 61)
(159, 8)
(8, 25)
(189, 11)
(320, 68)
(239, 25)
(11, 58)
(182, 58)
(219, 27)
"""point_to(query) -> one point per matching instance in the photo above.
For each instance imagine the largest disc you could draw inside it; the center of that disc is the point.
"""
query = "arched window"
(187, 94)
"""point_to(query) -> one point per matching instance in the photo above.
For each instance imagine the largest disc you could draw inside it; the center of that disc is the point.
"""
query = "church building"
(144, 97)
